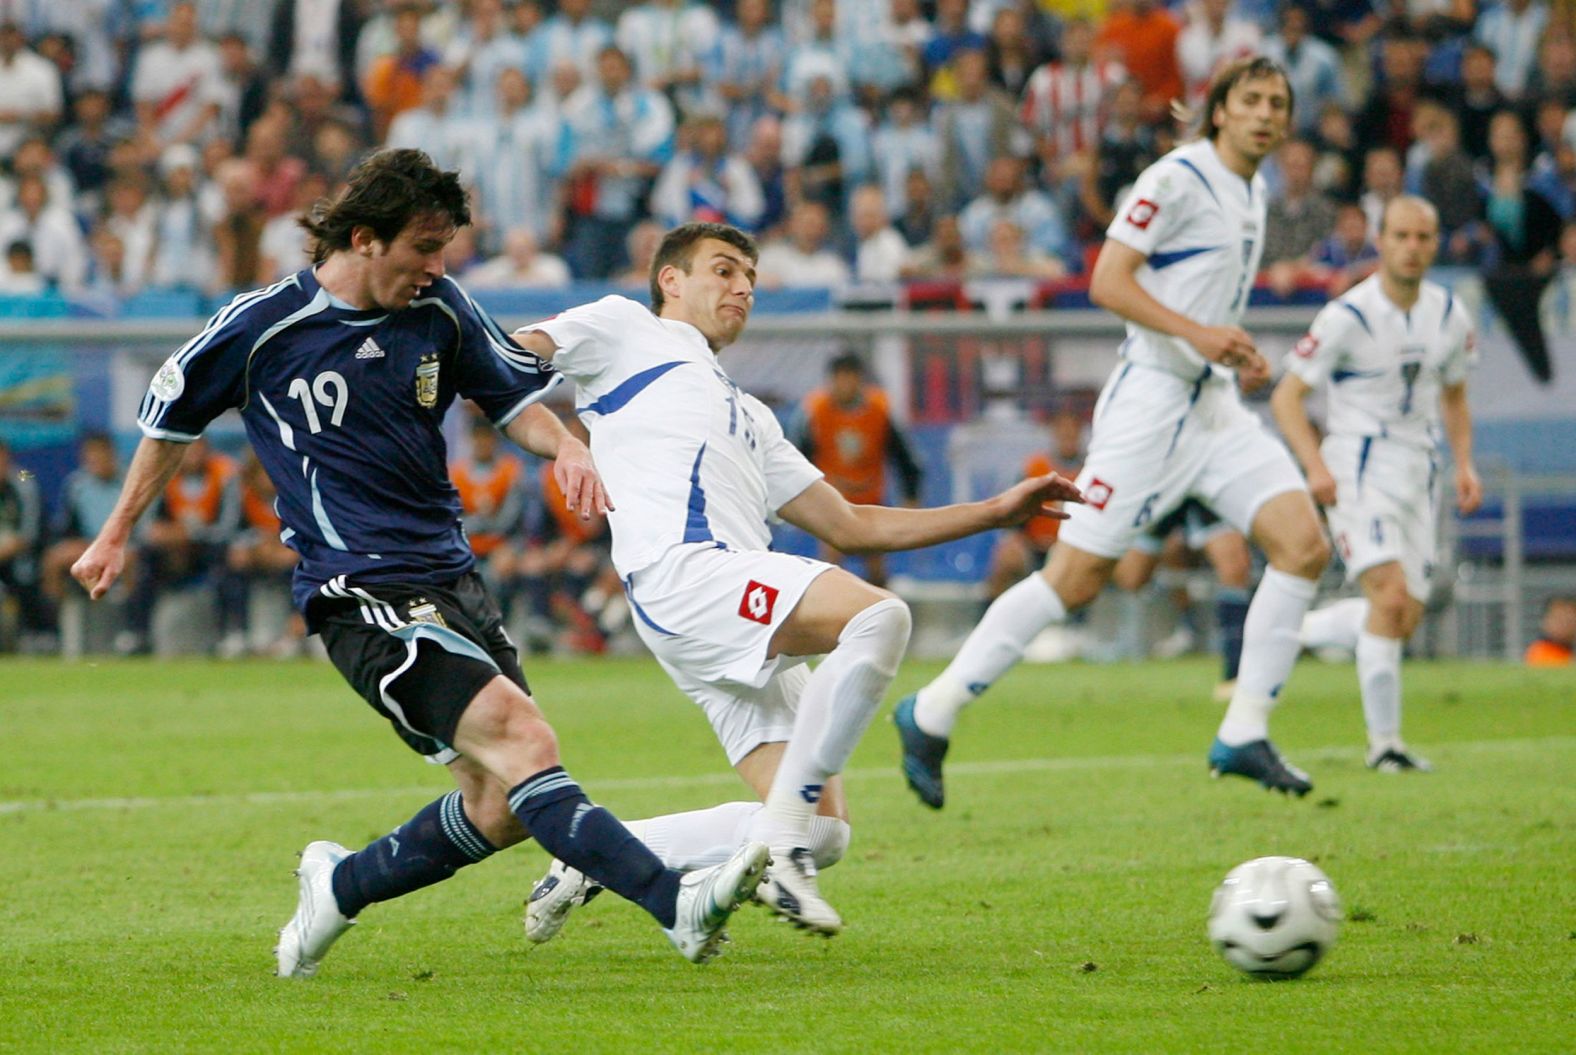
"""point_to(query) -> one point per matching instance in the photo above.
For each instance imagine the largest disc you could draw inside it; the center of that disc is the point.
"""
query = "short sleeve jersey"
(1201, 226)
(685, 454)
(345, 410)
(1385, 367)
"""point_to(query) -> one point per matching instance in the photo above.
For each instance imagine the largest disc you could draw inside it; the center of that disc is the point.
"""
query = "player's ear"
(670, 280)
(363, 240)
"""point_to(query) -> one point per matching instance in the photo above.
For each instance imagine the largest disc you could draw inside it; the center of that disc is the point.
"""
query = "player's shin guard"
(994, 647)
(1231, 613)
(1269, 649)
(1379, 675)
(590, 839)
(427, 849)
(838, 702)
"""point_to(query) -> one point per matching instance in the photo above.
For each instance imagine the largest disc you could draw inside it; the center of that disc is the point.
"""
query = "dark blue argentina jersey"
(345, 410)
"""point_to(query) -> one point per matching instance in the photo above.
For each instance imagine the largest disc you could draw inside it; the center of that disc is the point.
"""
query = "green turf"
(1057, 904)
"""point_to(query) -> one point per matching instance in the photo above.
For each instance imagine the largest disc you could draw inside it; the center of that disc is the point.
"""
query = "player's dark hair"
(1232, 74)
(385, 192)
(678, 249)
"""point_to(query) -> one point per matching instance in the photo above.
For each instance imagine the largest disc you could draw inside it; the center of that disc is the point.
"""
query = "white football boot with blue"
(317, 922)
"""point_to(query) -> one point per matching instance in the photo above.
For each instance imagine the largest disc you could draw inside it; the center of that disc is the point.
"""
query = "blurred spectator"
(514, 152)
(1386, 116)
(1554, 75)
(183, 243)
(981, 123)
(822, 54)
(903, 142)
(1556, 643)
(489, 483)
(749, 67)
(1511, 30)
(1340, 159)
(1445, 174)
(1382, 180)
(1067, 101)
(704, 182)
(765, 155)
(950, 35)
(802, 257)
(336, 147)
(84, 147)
(896, 53)
(484, 47)
(573, 35)
(825, 147)
(462, 253)
(1214, 35)
(918, 217)
(316, 38)
(520, 265)
(1554, 177)
(81, 30)
(941, 259)
(395, 81)
(133, 219)
(34, 157)
(283, 247)
(30, 91)
(617, 135)
(1478, 100)
(1343, 23)
(644, 239)
(436, 125)
(670, 43)
(1297, 217)
(60, 254)
(86, 499)
(21, 537)
(1021, 551)
(1126, 147)
(1006, 197)
(178, 85)
(1142, 36)
(1523, 225)
(247, 20)
(379, 37)
(879, 251)
(1347, 256)
(273, 171)
(1010, 51)
(1312, 65)
(564, 572)
(242, 87)
(847, 430)
(257, 557)
(238, 230)
(317, 108)
(1008, 254)
(19, 275)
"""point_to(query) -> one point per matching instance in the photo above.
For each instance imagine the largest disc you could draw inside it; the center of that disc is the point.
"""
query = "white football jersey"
(1202, 228)
(1385, 367)
(685, 454)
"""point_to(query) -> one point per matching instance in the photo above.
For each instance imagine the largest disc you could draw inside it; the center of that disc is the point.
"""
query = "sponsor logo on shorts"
(1306, 347)
(1098, 493)
(758, 602)
(1142, 213)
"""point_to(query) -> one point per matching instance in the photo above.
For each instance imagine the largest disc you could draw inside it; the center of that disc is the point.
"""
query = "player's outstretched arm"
(1291, 414)
(1457, 420)
(152, 467)
(539, 430)
(849, 528)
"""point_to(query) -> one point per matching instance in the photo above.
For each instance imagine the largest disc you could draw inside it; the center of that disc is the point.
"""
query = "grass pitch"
(149, 814)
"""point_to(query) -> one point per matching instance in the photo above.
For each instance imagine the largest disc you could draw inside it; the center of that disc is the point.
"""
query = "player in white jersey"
(696, 469)
(1178, 263)
(1392, 357)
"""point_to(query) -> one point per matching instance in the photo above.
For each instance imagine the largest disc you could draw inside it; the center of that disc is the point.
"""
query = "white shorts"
(1158, 439)
(1386, 507)
(708, 614)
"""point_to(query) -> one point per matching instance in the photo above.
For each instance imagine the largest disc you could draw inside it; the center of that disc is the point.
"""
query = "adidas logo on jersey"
(369, 350)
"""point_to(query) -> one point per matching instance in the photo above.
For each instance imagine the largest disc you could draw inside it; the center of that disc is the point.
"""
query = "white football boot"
(556, 894)
(317, 921)
(790, 892)
(707, 898)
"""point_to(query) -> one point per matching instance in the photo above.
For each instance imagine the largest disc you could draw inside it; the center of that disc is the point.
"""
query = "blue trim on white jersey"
(629, 389)
(1160, 260)
(1202, 178)
(1338, 376)
(1450, 302)
(696, 526)
(1362, 459)
(1349, 306)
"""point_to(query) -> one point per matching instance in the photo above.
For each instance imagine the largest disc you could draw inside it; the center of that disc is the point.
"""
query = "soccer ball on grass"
(1274, 917)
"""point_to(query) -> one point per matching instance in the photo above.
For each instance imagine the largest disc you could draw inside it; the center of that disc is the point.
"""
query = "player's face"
(1255, 117)
(1409, 241)
(400, 270)
(718, 293)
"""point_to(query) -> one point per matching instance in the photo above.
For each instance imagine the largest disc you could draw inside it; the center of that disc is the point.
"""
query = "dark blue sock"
(427, 849)
(589, 838)
(1231, 611)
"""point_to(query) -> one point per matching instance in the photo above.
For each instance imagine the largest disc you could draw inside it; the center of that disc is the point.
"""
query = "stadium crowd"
(150, 145)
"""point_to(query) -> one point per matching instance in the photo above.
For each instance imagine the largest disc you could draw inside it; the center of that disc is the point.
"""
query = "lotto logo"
(1142, 212)
(1307, 346)
(1097, 493)
(758, 602)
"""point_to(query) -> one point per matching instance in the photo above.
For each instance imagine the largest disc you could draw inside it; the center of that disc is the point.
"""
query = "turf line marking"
(729, 779)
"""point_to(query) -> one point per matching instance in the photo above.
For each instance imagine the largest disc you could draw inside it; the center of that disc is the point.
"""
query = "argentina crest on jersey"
(427, 380)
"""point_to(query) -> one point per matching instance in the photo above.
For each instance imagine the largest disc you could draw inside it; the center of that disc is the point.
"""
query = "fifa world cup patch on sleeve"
(1307, 346)
(1142, 213)
(1098, 493)
(169, 382)
(757, 603)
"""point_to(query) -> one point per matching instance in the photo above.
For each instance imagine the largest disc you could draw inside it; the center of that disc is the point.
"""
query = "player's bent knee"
(503, 714)
(884, 629)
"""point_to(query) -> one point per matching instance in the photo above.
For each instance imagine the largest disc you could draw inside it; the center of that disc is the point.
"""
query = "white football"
(1274, 917)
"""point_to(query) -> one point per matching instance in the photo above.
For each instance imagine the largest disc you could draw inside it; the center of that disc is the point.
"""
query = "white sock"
(1379, 675)
(1335, 625)
(1269, 649)
(993, 647)
(838, 701)
(702, 838)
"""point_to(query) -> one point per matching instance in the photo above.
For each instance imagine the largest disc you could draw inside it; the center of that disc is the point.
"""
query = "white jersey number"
(328, 388)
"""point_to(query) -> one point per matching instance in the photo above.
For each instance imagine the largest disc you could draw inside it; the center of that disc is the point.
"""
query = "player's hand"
(1032, 497)
(1321, 485)
(1232, 348)
(578, 479)
(99, 566)
(1469, 490)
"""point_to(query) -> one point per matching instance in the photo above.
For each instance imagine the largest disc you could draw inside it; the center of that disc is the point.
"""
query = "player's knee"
(504, 715)
(829, 838)
(1305, 555)
(1391, 604)
(883, 629)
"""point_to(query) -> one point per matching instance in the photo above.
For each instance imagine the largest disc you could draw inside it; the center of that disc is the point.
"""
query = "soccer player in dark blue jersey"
(342, 374)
